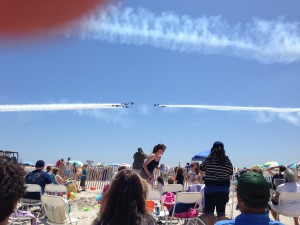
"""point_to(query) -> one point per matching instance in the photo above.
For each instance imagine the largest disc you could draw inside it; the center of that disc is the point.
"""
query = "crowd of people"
(124, 199)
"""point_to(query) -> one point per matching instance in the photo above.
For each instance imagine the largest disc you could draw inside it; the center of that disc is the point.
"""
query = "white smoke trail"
(275, 41)
(235, 108)
(57, 107)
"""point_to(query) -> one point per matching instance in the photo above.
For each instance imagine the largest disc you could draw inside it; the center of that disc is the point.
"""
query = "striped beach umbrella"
(272, 163)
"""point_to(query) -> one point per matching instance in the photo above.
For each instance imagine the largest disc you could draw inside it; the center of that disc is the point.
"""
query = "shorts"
(67, 173)
(82, 183)
(216, 200)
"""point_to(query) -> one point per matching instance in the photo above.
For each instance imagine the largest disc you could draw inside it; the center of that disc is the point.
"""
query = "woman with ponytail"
(218, 172)
(152, 162)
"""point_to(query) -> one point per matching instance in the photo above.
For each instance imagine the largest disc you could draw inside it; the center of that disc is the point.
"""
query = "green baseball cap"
(254, 189)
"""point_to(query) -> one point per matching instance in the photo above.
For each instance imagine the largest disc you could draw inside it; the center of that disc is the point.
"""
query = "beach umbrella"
(293, 166)
(27, 163)
(114, 164)
(201, 155)
(272, 163)
(79, 164)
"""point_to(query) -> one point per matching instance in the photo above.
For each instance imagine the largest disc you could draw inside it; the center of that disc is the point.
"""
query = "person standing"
(138, 160)
(68, 168)
(152, 162)
(276, 175)
(218, 172)
(83, 177)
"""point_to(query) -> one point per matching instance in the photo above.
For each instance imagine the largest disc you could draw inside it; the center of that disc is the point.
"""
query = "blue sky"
(166, 52)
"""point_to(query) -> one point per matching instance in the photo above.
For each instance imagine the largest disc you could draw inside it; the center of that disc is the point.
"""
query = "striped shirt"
(217, 174)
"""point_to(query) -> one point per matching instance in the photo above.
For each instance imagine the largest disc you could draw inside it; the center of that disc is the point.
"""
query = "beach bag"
(169, 197)
(192, 213)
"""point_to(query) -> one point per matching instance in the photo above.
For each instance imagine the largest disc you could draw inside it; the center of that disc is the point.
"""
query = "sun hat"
(218, 145)
(253, 188)
(39, 164)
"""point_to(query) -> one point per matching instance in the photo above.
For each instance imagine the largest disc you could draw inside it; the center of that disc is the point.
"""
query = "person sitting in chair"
(38, 176)
(290, 185)
(253, 194)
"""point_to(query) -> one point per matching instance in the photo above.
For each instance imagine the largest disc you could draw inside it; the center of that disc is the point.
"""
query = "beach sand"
(87, 199)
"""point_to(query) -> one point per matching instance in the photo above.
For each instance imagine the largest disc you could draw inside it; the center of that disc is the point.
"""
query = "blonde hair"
(170, 180)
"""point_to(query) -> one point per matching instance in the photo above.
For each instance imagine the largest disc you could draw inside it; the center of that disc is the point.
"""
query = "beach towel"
(191, 213)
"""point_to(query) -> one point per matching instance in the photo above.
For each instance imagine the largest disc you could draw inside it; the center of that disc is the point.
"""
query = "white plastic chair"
(57, 210)
(188, 198)
(32, 188)
(53, 188)
(155, 195)
(288, 198)
(172, 188)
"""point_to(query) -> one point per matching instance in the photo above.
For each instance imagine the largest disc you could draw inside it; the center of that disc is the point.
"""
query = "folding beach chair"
(57, 210)
(30, 204)
(288, 198)
(188, 198)
(15, 218)
(155, 195)
(173, 188)
(56, 188)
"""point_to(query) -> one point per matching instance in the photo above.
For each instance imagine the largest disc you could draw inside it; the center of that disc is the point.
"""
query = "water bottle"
(157, 211)
(56, 192)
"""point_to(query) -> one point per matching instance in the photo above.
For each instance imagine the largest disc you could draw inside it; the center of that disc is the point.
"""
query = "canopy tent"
(201, 155)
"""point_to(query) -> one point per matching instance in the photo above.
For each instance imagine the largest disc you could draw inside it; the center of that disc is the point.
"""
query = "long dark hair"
(124, 203)
(158, 147)
(218, 152)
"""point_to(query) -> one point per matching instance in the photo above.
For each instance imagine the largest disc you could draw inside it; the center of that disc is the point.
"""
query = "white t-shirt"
(292, 207)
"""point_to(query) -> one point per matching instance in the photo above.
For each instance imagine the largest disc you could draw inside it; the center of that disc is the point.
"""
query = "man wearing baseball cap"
(253, 194)
(38, 176)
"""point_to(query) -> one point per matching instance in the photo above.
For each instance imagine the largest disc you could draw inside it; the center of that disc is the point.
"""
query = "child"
(179, 176)
(170, 180)
(160, 184)
(83, 178)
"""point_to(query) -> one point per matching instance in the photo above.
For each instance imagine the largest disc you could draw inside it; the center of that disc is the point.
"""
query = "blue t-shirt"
(83, 175)
(38, 177)
(250, 219)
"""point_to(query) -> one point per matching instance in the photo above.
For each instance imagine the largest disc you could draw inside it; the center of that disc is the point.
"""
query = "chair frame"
(52, 188)
(288, 196)
(33, 188)
(57, 201)
(155, 195)
(188, 198)
(172, 188)
(19, 220)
